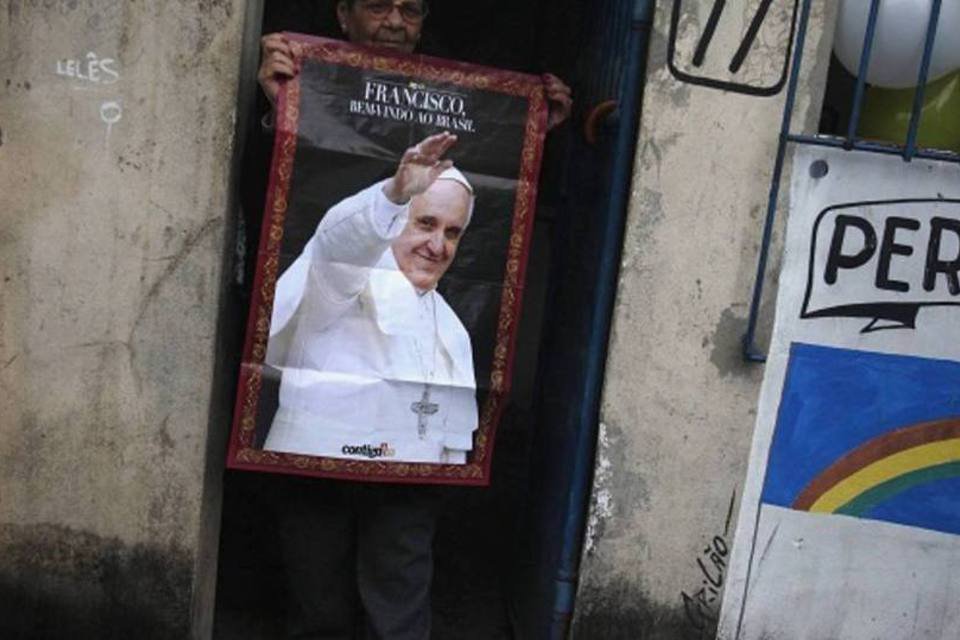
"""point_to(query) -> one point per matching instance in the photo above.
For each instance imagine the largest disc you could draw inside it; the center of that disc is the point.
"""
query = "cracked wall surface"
(117, 123)
(679, 401)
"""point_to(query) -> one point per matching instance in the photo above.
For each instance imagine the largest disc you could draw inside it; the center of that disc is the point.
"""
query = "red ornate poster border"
(242, 454)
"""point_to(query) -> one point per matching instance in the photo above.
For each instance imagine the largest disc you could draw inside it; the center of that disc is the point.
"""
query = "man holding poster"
(380, 379)
(376, 365)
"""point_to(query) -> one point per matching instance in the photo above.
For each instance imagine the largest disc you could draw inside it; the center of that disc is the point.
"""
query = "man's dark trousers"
(358, 559)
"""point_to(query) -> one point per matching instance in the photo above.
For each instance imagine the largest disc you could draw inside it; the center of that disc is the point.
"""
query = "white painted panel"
(796, 574)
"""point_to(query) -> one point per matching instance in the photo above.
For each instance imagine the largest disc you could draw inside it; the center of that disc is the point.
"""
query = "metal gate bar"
(907, 151)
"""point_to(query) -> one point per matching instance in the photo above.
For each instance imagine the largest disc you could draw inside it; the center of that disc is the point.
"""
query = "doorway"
(495, 553)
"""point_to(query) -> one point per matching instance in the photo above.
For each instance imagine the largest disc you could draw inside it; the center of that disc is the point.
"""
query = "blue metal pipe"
(578, 495)
(862, 73)
(910, 150)
(750, 351)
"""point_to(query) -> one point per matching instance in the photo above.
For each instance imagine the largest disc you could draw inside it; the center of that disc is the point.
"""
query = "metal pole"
(915, 115)
(862, 73)
(750, 352)
(565, 581)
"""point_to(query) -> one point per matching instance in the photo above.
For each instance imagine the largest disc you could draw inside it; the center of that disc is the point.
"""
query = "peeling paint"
(601, 500)
(648, 212)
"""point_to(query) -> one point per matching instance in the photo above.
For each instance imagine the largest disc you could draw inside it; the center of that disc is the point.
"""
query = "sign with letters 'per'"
(851, 513)
(884, 260)
(391, 264)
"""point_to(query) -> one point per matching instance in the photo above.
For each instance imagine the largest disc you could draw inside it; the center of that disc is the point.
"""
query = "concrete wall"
(116, 133)
(679, 403)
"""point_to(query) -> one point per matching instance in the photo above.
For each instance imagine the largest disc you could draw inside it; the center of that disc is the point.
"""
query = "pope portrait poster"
(390, 270)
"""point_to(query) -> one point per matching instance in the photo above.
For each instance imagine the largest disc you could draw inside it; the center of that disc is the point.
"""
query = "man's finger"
(430, 150)
(448, 142)
(281, 57)
(432, 144)
(281, 49)
(440, 139)
(279, 63)
(437, 145)
(273, 39)
(274, 75)
(266, 48)
(554, 85)
(439, 168)
(277, 42)
(279, 67)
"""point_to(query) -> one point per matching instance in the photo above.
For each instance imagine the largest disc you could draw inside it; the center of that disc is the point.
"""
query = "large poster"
(851, 512)
(390, 271)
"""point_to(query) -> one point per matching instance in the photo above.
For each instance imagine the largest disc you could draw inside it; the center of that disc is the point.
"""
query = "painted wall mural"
(868, 435)
(851, 509)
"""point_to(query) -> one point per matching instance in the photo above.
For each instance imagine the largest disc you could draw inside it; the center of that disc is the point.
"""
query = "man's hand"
(419, 168)
(276, 65)
(559, 99)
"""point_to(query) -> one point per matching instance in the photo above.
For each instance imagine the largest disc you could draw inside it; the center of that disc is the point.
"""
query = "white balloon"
(898, 40)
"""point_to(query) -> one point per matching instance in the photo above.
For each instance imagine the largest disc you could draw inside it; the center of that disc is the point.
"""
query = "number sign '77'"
(734, 45)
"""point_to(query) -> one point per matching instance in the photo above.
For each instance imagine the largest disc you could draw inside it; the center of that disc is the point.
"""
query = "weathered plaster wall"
(679, 402)
(116, 133)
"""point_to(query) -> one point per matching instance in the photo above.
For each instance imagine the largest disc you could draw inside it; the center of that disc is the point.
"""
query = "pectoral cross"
(423, 409)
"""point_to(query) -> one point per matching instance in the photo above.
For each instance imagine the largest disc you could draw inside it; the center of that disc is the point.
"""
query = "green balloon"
(886, 114)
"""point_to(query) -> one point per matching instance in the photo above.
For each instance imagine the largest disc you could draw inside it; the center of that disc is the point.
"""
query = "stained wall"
(117, 124)
(679, 400)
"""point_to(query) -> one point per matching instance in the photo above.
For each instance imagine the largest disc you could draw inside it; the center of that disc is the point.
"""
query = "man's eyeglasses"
(412, 12)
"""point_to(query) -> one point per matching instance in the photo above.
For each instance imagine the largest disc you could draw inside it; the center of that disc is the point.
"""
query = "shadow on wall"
(619, 611)
(58, 583)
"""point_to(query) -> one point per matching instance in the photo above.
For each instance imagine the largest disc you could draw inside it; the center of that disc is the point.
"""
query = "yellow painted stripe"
(925, 455)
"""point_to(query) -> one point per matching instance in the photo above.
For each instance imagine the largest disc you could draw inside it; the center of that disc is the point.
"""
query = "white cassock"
(372, 369)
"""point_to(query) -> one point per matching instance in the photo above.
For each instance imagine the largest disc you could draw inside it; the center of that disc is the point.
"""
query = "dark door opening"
(487, 542)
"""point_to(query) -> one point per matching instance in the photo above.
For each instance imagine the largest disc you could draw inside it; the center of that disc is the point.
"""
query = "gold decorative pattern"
(421, 67)
(476, 471)
(285, 147)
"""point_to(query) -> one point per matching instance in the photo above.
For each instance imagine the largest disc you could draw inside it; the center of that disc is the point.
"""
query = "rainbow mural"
(868, 435)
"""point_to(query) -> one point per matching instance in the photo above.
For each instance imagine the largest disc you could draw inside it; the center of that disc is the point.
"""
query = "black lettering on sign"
(915, 265)
(935, 264)
(837, 259)
(891, 247)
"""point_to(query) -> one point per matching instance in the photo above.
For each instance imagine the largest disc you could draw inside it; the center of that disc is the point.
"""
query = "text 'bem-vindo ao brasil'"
(412, 102)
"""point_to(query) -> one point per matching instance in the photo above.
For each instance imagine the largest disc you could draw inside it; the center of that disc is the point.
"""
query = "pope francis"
(375, 364)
